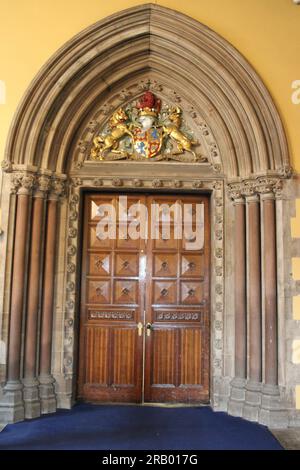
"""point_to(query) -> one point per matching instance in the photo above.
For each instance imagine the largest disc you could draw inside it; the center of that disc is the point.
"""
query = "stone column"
(12, 405)
(272, 412)
(47, 393)
(253, 388)
(237, 394)
(270, 289)
(31, 384)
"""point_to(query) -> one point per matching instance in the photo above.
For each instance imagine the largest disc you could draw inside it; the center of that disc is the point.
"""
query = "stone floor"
(288, 438)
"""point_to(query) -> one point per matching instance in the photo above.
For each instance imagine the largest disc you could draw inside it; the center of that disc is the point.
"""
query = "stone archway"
(239, 127)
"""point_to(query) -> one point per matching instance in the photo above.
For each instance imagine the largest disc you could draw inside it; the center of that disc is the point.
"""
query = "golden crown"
(147, 112)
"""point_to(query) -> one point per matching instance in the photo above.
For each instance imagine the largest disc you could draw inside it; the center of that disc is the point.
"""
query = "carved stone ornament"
(71, 250)
(76, 182)
(157, 183)
(22, 182)
(70, 285)
(117, 182)
(43, 183)
(6, 166)
(251, 187)
(71, 268)
(97, 182)
(58, 187)
(145, 129)
(286, 171)
(197, 184)
(137, 183)
(72, 232)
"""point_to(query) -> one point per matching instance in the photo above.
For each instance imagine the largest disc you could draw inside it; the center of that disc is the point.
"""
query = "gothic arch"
(176, 49)
(220, 90)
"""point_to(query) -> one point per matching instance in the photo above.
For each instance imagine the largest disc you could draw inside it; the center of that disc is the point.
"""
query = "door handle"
(149, 328)
(140, 328)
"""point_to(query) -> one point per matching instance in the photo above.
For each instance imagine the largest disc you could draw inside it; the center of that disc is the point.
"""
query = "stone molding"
(216, 187)
(248, 131)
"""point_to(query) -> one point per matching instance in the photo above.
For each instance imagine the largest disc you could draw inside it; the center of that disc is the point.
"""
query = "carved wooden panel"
(127, 243)
(191, 363)
(126, 264)
(99, 292)
(165, 265)
(165, 292)
(125, 292)
(95, 242)
(164, 358)
(165, 239)
(100, 264)
(191, 292)
(123, 353)
(192, 265)
(97, 354)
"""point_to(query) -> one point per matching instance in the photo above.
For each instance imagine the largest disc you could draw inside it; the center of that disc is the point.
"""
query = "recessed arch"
(77, 89)
(174, 48)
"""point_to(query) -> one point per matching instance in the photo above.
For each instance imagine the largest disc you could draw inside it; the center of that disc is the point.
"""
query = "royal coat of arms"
(143, 131)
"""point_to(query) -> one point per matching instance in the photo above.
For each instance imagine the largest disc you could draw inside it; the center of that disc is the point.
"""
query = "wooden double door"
(144, 326)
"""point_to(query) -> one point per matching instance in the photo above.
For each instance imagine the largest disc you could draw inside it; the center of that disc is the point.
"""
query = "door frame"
(212, 187)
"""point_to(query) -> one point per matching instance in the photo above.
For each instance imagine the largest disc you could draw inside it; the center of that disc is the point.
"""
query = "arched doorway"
(47, 169)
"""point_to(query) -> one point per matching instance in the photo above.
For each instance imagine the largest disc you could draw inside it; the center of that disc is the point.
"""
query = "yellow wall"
(267, 32)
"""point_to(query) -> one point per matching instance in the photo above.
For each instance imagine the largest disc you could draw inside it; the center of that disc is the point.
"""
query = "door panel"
(112, 293)
(177, 308)
(130, 283)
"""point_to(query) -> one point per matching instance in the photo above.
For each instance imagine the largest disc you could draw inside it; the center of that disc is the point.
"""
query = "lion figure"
(119, 128)
(173, 130)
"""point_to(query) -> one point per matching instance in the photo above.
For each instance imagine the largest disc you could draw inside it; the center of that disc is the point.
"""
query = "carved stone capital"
(268, 185)
(43, 185)
(22, 183)
(57, 189)
(264, 186)
(235, 192)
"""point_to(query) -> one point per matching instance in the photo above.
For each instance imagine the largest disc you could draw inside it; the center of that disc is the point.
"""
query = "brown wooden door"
(177, 310)
(144, 332)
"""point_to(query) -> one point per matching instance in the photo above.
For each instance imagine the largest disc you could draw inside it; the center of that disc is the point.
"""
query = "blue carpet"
(109, 427)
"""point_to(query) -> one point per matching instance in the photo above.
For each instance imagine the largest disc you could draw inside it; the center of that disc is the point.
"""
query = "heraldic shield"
(147, 143)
